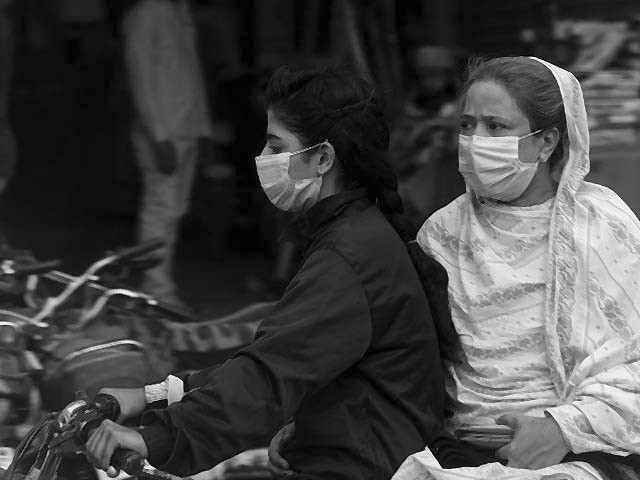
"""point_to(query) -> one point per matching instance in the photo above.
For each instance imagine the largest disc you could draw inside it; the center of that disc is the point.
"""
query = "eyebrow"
(487, 118)
(272, 136)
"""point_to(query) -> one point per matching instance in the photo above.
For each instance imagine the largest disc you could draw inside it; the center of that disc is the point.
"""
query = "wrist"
(156, 392)
(559, 434)
(170, 389)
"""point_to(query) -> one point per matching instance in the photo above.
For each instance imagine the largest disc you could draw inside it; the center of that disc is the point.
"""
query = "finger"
(276, 459)
(106, 447)
(112, 472)
(277, 472)
(287, 433)
(98, 450)
(509, 420)
(504, 452)
(91, 447)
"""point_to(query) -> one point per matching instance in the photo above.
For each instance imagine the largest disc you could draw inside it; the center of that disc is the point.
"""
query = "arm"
(319, 329)
(603, 413)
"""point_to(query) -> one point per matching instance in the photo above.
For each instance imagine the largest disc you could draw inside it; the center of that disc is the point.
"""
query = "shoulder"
(442, 223)
(613, 228)
(364, 233)
(366, 241)
(604, 203)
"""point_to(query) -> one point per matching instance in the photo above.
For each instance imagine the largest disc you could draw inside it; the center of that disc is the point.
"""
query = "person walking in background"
(171, 116)
(7, 141)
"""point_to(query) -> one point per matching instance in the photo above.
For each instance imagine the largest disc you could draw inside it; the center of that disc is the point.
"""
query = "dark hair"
(534, 89)
(339, 105)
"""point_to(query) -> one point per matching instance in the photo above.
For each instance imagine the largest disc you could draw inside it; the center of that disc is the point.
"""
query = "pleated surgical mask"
(284, 192)
(491, 167)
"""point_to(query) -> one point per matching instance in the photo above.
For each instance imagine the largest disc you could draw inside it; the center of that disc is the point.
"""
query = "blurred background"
(75, 188)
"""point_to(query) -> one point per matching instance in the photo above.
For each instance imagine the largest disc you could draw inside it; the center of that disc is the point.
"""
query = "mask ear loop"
(531, 134)
(309, 148)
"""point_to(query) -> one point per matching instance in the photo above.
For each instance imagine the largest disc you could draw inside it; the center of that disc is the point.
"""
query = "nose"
(481, 130)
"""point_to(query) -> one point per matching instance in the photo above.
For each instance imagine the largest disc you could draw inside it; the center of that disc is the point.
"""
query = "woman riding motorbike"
(349, 353)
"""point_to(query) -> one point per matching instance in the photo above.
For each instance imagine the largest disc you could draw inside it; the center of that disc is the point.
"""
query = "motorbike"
(92, 333)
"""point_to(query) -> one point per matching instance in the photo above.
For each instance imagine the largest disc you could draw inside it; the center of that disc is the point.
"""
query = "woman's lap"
(423, 463)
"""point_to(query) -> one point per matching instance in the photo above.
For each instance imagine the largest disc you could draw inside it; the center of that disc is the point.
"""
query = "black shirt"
(350, 352)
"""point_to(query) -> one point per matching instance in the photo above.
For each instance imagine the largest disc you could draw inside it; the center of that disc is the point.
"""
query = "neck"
(332, 184)
(541, 189)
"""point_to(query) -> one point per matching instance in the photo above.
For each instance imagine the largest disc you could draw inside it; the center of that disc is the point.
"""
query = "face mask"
(491, 167)
(283, 191)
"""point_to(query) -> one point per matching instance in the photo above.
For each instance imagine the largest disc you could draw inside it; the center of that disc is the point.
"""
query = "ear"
(327, 158)
(550, 137)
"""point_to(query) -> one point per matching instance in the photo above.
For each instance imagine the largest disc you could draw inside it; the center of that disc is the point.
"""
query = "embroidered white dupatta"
(592, 313)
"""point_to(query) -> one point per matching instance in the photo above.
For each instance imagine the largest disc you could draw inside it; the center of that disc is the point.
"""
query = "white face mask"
(284, 192)
(491, 167)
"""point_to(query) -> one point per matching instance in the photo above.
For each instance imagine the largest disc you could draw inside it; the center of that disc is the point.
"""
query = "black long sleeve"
(320, 328)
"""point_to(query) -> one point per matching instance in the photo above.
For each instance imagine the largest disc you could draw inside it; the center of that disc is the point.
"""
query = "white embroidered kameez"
(497, 308)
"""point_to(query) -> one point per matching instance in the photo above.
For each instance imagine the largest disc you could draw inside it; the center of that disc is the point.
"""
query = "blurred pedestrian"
(7, 141)
(423, 141)
(171, 117)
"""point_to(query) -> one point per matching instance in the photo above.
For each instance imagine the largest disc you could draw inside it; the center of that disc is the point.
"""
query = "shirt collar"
(306, 224)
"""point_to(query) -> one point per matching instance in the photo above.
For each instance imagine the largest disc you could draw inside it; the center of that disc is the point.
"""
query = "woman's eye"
(465, 124)
(274, 149)
(495, 126)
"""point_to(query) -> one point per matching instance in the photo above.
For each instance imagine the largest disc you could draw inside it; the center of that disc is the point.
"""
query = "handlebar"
(127, 460)
(8, 267)
(137, 251)
(107, 294)
(123, 254)
(122, 459)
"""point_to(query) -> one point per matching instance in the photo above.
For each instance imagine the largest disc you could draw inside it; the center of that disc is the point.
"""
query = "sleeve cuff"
(159, 443)
(573, 425)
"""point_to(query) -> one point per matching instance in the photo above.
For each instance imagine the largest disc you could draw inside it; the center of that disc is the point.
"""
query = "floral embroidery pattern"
(632, 353)
(622, 234)
(522, 246)
(525, 343)
(496, 297)
(452, 242)
(610, 308)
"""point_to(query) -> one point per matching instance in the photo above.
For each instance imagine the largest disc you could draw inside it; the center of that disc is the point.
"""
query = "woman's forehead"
(277, 130)
(490, 99)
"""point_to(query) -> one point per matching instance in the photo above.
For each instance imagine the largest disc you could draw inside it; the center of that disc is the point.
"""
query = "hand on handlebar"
(132, 401)
(278, 466)
(110, 436)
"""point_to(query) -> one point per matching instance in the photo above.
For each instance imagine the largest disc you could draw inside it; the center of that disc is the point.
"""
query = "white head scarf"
(562, 268)
(592, 294)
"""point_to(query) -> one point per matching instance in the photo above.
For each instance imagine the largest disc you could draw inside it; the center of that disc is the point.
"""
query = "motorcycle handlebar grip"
(138, 250)
(127, 460)
(36, 268)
